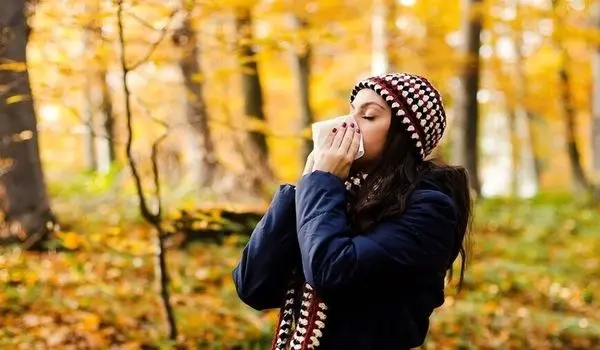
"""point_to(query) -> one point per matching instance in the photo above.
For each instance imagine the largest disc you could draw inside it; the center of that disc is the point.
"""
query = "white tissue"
(320, 130)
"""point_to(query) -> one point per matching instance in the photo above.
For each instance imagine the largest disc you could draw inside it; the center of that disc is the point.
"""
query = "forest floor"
(533, 283)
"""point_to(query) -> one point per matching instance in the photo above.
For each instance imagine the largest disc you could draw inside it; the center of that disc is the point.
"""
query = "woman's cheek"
(373, 147)
(370, 149)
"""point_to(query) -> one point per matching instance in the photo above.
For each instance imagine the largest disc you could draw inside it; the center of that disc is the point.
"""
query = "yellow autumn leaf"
(16, 99)
(216, 214)
(137, 247)
(70, 240)
(174, 214)
(14, 66)
(199, 225)
(198, 78)
(255, 124)
(31, 277)
(90, 322)
(22, 136)
(113, 230)
(131, 346)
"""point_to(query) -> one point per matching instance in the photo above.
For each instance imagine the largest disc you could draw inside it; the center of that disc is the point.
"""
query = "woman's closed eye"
(368, 117)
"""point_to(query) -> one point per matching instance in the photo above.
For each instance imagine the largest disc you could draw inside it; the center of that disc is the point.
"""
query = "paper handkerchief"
(320, 130)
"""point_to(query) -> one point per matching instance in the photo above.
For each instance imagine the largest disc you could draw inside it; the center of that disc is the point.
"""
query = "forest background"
(140, 142)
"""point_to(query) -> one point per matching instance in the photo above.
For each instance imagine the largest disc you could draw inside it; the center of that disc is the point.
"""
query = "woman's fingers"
(336, 158)
(347, 140)
(329, 139)
(355, 145)
(339, 137)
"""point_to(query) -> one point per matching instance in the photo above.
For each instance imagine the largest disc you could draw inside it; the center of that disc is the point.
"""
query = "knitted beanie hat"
(414, 99)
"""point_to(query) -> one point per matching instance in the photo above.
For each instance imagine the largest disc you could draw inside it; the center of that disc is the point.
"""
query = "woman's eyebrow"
(369, 103)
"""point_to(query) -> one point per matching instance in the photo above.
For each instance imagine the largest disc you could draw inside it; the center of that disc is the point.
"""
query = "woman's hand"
(338, 151)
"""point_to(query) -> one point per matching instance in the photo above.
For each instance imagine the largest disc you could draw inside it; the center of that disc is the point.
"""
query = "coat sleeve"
(418, 240)
(261, 276)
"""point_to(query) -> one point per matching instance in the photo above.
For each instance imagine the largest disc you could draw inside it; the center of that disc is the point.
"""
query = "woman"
(357, 254)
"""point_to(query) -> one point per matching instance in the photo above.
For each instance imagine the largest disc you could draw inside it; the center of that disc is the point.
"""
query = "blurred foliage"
(426, 41)
(534, 278)
(533, 284)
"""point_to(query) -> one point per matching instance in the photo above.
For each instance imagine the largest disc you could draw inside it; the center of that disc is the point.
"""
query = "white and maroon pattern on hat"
(414, 99)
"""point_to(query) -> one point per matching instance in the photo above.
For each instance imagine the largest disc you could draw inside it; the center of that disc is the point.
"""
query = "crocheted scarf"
(304, 331)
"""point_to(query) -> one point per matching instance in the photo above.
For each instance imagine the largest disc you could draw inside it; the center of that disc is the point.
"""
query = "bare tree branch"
(154, 219)
(149, 115)
(140, 20)
(152, 48)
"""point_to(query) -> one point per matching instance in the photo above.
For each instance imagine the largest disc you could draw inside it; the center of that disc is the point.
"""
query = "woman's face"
(373, 116)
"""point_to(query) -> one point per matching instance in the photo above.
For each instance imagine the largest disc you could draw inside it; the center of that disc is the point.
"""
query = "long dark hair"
(387, 189)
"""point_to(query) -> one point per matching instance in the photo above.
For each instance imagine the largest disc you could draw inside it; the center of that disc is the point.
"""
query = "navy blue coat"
(380, 287)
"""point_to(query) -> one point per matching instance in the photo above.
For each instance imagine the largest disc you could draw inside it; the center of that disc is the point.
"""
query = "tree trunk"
(108, 123)
(530, 171)
(579, 179)
(251, 85)
(502, 71)
(534, 159)
(515, 155)
(24, 202)
(393, 36)
(383, 34)
(89, 138)
(303, 63)
(466, 130)
(99, 122)
(204, 163)
(99, 118)
(259, 173)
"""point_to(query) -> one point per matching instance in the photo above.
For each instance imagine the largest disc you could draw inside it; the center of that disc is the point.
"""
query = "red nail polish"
(334, 130)
(343, 124)
(358, 131)
(352, 125)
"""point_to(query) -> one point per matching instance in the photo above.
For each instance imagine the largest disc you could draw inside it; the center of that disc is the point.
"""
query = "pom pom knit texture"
(414, 99)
